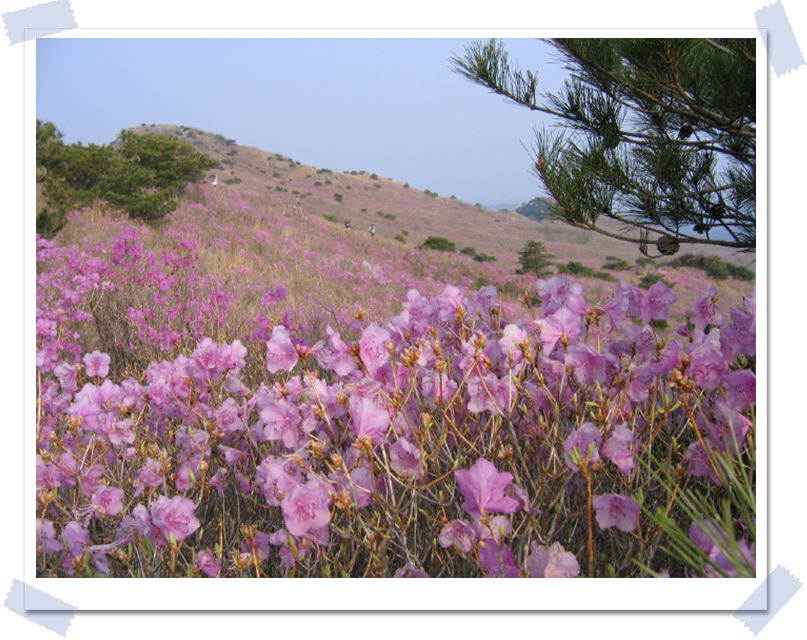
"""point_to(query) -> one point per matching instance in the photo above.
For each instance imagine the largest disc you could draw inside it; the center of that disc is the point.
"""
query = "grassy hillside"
(281, 184)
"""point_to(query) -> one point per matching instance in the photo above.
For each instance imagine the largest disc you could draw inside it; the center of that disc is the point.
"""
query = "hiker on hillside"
(372, 230)
(347, 225)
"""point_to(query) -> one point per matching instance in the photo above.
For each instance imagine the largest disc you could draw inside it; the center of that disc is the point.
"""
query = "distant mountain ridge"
(538, 208)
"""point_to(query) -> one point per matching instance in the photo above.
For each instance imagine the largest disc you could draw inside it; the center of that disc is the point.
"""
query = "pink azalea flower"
(561, 292)
(46, 536)
(280, 352)
(707, 367)
(202, 364)
(490, 393)
(483, 488)
(618, 448)
(458, 533)
(404, 458)
(76, 538)
(618, 511)
(551, 562)
(369, 419)
(697, 464)
(590, 366)
(447, 303)
(306, 507)
(174, 517)
(208, 563)
(497, 559)
(624, 305)
(582, 439)
(438, 386)
(741, 389)
(96, 364)
(705, 312)
(358, 485)
(227, 416)
(373, 347)
(273, 296)
(730, 426)
(562, 326)
(108, 501)
(276, 477)
(231, 356)
(739, 335)
(655, 303)
(282, 419)
(335, 356)
(149, 475)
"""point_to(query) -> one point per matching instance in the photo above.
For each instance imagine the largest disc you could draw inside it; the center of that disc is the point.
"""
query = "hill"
(537, 208)
(262, 196)
(395, 208)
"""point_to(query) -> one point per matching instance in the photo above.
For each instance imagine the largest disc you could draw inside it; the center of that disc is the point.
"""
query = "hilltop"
(397, 209)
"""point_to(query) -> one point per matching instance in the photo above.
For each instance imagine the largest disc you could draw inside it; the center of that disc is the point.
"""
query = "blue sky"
(389, 106)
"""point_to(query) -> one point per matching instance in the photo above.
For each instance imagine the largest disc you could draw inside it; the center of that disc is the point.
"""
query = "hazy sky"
(389, 106)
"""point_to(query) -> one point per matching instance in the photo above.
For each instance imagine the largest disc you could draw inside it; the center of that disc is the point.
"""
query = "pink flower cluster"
(341, 426)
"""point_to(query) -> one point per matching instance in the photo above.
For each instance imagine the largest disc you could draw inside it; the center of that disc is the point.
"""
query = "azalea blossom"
(483, 488)
(373, 347)
(174, 517)
(459, 534)
(96, 364)
(655, 303)
(306, 507)
(551, 562)
(280, 352)
(369, 419)
(208, 563)
(582, 439)
(618, 511)
(618, 448)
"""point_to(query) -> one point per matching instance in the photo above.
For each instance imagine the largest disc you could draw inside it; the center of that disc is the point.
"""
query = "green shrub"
(484, 257)
(741, 273)
(574, 268)
(718, 269)
(468, 251)
(438, 244)
(338, 197)
(644, 262)
(649, 279)
(141, 175)
(330, 218)
(715, 266)
(616, 264)
(400, 239)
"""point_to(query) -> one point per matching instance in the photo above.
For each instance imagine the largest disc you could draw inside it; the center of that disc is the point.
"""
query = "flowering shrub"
(450, 440)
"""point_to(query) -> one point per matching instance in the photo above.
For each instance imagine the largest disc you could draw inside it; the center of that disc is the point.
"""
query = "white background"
(787, 228)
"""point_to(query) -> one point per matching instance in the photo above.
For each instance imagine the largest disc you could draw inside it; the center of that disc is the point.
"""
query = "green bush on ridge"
(140, 174)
